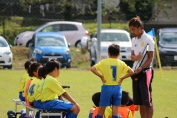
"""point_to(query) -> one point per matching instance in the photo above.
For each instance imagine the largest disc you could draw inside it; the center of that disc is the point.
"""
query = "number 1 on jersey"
(114, 70)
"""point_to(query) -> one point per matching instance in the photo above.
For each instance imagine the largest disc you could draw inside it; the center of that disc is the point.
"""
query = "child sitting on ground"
(123, 111)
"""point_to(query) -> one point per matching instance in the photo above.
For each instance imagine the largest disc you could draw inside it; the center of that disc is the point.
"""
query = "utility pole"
(99, 21)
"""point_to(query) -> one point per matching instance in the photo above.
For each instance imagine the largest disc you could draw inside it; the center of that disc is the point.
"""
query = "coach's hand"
(139, 56)
(138, 70)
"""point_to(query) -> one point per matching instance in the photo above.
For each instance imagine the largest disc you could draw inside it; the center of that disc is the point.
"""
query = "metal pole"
(98, 30)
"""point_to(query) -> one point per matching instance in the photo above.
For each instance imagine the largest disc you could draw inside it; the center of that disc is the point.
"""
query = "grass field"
(83, 84)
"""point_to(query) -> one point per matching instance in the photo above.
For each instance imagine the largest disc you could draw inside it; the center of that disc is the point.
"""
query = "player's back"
(112, 69)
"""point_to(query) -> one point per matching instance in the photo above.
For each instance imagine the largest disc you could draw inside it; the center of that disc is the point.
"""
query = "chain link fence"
(17, 16)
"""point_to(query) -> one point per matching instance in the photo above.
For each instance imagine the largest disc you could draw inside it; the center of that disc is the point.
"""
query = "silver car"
(167, 45)
(73, 31)
(110, 36)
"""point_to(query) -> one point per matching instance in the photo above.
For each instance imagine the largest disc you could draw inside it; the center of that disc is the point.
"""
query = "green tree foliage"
(143, 8)
(124, 11)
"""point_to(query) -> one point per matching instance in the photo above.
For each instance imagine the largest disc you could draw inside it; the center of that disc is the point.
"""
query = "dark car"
(167, 45)
(50, 45)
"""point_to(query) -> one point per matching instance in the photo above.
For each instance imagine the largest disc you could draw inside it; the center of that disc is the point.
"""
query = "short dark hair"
(96, 98)
(114, 50)
(130, 102)
(125, 98)
(136, 22)
(42, 72)
(32, 59)
(51, 65)
(33, 68)
(27, 64)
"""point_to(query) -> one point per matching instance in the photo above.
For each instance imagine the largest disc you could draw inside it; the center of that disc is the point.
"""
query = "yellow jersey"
(51, 89)
(37, 93)
(22, 83)
(112, 70)
(34, 83)
(124, 112)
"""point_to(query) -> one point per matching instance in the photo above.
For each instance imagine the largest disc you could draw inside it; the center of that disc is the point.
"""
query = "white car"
(6, 55)
(110, 36)
(73, 31)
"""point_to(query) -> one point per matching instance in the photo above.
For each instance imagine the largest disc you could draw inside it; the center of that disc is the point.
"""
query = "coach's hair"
(27, 64)
(136, 22)
(125, 98)
(33, 68)
(114, 49)
(96, 98)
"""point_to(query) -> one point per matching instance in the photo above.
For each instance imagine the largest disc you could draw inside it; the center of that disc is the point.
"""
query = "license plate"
(52, 58)
(175, 57)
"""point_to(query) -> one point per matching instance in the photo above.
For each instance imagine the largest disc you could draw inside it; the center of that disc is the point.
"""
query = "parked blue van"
(50, 45)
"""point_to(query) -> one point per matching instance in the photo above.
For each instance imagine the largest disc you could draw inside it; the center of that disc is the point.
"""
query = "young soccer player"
(123, 110)
(37, 94)
(111, 76)
(52, 89)
(132, 107)
(94, 109)
(23, 80)
(33, 72)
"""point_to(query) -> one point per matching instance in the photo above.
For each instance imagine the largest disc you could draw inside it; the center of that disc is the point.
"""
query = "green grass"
(83, 84)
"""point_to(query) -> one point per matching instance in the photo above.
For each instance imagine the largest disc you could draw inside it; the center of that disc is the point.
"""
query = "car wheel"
(78, 44)
(30, 41)
(68, 66)
(92, 63)
(9, 67)
(164, 62)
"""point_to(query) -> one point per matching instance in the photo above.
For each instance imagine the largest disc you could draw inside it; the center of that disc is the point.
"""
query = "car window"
(3, 43)
(168, 38)
(68, 27)
(51, 28)
(114, 37)
(50, 41)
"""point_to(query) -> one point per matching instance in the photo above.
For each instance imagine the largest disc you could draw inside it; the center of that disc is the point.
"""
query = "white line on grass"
(173, 80)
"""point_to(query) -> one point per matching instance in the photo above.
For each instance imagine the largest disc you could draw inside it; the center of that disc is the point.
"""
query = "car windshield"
(168, 38)
(3, 43)
(114, 37)
(50, 41)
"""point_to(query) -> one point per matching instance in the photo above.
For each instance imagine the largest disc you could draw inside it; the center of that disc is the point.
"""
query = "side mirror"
(94, 39)
(84, 41)
(10, 46)
(69, 45)
(31, 45)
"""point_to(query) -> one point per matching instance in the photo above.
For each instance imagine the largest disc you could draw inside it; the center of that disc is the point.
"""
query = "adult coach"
(142, 55)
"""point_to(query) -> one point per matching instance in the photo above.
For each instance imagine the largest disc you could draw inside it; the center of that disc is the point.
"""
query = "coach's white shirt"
(139, 45)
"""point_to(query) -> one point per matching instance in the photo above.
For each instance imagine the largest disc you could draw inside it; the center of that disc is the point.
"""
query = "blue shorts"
(111, 95)
(38, 104)
(56, 105)
(21, 96)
